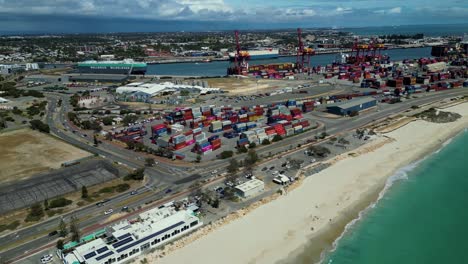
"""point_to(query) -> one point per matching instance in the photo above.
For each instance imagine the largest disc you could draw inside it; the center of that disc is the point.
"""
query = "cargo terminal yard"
(192, 130)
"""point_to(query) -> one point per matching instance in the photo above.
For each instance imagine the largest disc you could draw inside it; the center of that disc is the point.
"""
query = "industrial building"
(347, 107)
(6, 69)
(130, 238)
(139, 91)
(250, 188)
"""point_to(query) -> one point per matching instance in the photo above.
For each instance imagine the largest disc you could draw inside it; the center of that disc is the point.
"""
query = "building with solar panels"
(133, 237)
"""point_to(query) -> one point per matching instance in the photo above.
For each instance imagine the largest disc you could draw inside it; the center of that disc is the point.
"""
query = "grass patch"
(51, 213)
(117, 188)
(11, 226)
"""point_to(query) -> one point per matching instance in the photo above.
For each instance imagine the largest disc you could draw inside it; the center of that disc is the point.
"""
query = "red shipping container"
(216, 147)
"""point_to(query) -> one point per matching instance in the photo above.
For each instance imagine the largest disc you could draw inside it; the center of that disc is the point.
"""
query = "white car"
(313, 160)
(110, 211)
(46, 258)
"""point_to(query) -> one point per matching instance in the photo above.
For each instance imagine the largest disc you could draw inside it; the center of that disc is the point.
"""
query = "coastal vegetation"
(437, 116)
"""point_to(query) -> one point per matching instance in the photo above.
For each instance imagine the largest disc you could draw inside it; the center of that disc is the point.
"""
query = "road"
(163, 175)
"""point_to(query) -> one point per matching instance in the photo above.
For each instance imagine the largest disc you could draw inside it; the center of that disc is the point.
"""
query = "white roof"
(150, 222)
(249, 185)
(3, 100)
(155, 88)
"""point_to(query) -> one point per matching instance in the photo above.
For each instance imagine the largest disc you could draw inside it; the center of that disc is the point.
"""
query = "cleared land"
(251, 85)
(27, 152)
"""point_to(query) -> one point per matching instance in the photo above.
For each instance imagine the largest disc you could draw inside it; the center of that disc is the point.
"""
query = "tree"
(149, 162)
(184, 93)
(215, 203)
(96, 142)
(63, 231)
(252, 145)
(84, 192)
(60, 244)
(35, 213)
(46, 205)
(251, 158)
(74, 229)
(266, 142)
(233, 166)
(136, 175)
(39, 125)
(277, 138)
(318, 151)
(107, 121)
(353, 113)
(242, 149)
(198, 159)
(226, 154)
(129, 119)
(130, 144)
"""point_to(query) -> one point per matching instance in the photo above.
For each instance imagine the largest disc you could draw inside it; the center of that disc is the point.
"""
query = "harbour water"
(422, 218)
(218, 68)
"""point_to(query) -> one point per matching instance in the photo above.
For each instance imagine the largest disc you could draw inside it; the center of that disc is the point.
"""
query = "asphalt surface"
(166, 175)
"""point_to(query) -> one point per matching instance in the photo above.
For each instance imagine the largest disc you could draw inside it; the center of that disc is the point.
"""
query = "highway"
(165, 174)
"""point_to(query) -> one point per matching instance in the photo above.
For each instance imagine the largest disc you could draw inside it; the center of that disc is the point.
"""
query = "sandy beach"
(320, 208)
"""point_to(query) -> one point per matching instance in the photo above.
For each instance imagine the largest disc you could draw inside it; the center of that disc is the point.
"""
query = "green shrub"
(59, 202)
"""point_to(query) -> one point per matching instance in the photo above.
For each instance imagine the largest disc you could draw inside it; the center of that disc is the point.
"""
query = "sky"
(202, 15)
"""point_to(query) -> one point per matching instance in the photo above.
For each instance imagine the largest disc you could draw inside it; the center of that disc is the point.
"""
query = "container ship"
(127, 66)
(258, 54)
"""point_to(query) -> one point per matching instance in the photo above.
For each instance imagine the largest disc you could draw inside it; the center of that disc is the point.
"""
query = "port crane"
(303, 54)
(240, 58)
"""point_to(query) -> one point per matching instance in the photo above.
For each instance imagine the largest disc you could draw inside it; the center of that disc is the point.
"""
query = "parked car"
(46, 258)
(53, 233)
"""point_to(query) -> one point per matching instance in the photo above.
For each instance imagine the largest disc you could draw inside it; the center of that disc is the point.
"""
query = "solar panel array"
(150, 236)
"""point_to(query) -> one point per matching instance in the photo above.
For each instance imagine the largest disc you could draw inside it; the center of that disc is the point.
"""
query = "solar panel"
(103, 249)
(123, 236)
(105, 255)
(122, 242)
(90, 255)
(149, 237)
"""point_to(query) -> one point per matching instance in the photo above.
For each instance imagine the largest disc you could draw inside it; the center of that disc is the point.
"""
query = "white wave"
(401, 174)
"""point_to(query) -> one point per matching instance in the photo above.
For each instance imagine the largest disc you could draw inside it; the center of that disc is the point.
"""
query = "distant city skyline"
(202, 15)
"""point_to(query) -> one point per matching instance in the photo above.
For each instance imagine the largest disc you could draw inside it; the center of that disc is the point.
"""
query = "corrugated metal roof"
(353, 102)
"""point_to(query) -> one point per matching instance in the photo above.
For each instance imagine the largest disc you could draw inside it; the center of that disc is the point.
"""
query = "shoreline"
(318, 211)
(318, 53)
(359, 211)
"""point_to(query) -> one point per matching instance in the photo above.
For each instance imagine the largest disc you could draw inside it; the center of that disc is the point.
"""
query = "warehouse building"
(250, 188)
(346, 108)
(131, 238)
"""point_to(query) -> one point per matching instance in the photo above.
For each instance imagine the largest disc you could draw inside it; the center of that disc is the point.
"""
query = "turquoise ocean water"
(421, 218)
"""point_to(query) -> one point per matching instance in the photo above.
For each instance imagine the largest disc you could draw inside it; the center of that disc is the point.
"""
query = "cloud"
(254, 13)
(395, 10)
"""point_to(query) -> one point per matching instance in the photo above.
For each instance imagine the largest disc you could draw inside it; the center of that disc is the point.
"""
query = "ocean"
(421, 218)
(427, 30)
(218, 68)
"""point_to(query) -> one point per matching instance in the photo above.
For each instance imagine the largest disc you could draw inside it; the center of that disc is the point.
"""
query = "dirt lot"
(251, 85)
(26, 152)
